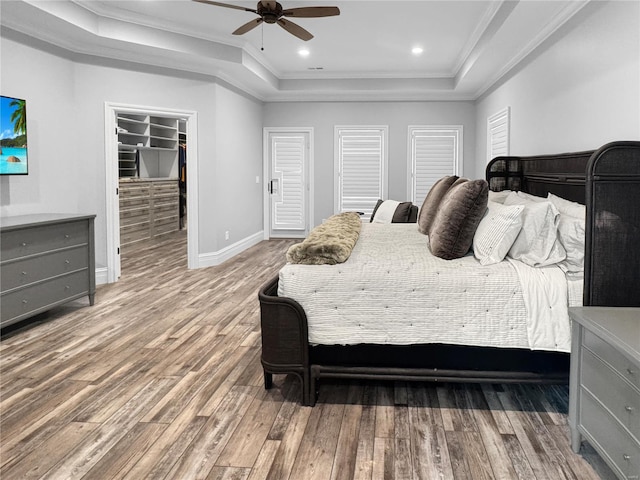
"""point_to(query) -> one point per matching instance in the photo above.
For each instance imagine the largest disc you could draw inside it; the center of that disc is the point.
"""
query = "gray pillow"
(431, 202)
(457, 219)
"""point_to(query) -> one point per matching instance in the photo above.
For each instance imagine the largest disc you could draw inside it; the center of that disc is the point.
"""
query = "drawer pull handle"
(67, 262)
(24, 244)
(626, 457)
(66, 236)
(67, 287)
(24, 302)
(628, 408)
(630, 371)
(24, 273)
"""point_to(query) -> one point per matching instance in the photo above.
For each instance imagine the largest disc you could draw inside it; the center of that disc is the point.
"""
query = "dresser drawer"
(23, 272)
(133, 215)
(134, 190)
(166, 210)
(34, 240)
(165, 201)
(611, 439)
(164, 188)
(134, 202)
(615, 359)
(41, 296)
(622, 400)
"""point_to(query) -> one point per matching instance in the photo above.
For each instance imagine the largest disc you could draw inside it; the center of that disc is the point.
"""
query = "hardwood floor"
(161, 379)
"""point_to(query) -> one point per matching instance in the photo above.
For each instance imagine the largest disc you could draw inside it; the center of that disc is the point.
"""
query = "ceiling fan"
(272, 12)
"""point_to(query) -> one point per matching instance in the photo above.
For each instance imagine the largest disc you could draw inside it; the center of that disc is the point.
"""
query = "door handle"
(273, 187)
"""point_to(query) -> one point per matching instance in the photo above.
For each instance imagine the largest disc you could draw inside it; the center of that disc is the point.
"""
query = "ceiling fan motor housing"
(269, 15)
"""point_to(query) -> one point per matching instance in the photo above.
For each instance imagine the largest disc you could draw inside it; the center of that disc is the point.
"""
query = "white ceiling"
(364, 53)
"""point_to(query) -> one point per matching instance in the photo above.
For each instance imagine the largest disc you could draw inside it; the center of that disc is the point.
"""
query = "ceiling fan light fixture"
(417, 50)
(304, 52)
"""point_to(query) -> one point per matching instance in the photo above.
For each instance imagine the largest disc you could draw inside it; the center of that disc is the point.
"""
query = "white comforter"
(393, 291)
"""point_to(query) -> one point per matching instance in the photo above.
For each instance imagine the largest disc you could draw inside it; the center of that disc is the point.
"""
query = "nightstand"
(604, 398)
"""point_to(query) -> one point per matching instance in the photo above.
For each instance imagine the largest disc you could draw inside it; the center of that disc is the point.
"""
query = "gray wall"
(323, 116)
(65, 122)
(580, 91)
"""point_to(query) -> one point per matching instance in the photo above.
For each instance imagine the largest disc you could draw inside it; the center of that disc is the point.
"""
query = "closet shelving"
(138, 133)
(149, 178)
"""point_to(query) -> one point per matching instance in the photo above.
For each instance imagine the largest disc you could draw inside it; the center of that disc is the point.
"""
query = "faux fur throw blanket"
(329, 243)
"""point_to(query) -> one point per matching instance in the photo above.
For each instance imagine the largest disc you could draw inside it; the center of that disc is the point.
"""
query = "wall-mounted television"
(13, 136)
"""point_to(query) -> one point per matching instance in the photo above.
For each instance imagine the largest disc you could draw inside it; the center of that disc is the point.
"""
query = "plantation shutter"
(498, 134)
(288, 183)
(435, 152)
(361, 168)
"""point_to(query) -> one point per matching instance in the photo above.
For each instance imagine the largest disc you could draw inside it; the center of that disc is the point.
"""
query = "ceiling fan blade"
(247, 26)
(311, 12)
(227, 5)
(294, 29)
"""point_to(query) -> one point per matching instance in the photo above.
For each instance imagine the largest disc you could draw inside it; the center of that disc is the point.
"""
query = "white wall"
(576, 94)
(65, 122)
(323, 116)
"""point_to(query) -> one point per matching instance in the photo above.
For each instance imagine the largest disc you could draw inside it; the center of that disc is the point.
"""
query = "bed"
(508, 347)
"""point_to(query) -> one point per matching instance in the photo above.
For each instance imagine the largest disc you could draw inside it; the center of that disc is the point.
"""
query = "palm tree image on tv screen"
(13, 136)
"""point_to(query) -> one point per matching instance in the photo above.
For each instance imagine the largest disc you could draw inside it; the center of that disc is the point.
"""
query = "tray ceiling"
(364, 53)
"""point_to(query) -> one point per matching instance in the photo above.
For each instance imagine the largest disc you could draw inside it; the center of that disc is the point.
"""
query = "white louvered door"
(435, 152)
(288, 184)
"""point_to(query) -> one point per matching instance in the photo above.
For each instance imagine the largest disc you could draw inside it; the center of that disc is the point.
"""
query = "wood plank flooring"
(161, 379)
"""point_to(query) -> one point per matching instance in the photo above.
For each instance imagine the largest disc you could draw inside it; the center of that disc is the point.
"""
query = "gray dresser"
(45, 261)
(604, 400)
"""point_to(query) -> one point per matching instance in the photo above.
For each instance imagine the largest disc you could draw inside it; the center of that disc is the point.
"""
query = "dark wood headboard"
(607, 181)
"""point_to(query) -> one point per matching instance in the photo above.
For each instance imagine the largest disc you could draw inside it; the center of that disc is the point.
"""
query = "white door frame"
(267, 173)
(112, 199)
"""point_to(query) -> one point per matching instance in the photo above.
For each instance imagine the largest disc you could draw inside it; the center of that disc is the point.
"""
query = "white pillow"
(568, 207)
(498, 197)
(537, 243)
(571, 235)
(496, 232)
(524, 196)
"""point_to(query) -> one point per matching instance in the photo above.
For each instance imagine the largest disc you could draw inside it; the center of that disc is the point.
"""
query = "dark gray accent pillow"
(457, 219)
(430, 205)
(401, 215)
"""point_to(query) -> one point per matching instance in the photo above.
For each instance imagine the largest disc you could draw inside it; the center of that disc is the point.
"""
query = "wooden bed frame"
(607, 181)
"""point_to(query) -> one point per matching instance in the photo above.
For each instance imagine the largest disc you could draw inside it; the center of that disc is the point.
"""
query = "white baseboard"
(216, 258)
(102, 275)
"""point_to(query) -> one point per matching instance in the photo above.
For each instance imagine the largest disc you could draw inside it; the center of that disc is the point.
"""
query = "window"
(434, 151)
(360, 168)
(498, 134)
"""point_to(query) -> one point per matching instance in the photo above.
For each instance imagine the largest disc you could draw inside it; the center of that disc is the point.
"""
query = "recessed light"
(416, 50)
(303, 52)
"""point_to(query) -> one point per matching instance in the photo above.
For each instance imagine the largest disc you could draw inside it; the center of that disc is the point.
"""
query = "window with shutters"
(360, 168)
(434, 151)
(498, 134)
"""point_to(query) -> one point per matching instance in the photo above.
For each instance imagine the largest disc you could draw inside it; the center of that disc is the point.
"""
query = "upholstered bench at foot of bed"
(285, 347)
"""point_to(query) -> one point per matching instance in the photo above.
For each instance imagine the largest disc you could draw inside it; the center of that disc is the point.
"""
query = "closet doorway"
(146, 149)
